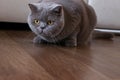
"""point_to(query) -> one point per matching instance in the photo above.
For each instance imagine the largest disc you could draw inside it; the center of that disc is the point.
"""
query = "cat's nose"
(42, 26)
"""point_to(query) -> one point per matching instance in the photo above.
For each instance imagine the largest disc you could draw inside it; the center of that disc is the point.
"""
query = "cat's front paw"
(70, 43)
(37, 40)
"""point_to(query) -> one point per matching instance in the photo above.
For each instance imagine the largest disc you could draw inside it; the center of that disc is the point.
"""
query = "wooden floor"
(20, 59)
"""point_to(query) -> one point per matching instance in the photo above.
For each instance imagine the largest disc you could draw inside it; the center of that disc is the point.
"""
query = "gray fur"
(73, 24)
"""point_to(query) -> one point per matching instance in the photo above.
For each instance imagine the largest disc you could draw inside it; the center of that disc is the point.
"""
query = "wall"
(14, 10)
(108, 13)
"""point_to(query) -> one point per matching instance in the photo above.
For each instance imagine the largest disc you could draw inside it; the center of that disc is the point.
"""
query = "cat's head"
(46, 19)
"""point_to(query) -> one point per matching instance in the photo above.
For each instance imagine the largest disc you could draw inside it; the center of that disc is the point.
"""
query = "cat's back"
(66, 3)
(71, 6)
(61, 1)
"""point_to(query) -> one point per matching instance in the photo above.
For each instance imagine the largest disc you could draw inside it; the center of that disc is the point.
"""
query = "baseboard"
(13, 26)
(116, 31)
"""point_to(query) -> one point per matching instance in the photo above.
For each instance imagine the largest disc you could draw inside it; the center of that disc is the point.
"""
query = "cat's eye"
(36, 21)
(49, 22)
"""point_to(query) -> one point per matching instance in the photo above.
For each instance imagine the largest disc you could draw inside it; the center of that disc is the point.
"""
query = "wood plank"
(21, 58)
(16, 64)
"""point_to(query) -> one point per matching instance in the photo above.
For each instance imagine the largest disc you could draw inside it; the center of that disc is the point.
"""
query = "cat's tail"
(97, 34)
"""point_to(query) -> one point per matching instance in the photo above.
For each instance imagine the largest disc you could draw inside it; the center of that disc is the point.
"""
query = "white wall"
(14, 10)
(108, 13)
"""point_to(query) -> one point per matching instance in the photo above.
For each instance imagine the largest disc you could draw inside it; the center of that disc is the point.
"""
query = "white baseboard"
(108, 30)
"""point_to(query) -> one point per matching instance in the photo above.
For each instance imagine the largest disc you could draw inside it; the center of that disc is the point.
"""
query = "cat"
(68, 21)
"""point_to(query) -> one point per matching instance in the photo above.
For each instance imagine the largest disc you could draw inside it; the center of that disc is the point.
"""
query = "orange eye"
(36, 21)
(49, 22)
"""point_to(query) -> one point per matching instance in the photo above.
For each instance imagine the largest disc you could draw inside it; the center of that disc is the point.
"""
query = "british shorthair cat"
(67, 21)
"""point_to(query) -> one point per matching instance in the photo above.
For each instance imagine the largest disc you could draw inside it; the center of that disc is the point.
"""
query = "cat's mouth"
(40, 31)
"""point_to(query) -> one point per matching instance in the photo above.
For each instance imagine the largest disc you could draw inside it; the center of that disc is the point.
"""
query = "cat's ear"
(33, 7)
(58, 10)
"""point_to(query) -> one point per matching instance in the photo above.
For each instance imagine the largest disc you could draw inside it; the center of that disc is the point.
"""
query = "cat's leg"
(84, 40)
(38, 40)
(86, 27)
(71, 41)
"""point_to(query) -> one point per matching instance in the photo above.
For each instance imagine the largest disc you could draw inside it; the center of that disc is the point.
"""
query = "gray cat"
(68, 21)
